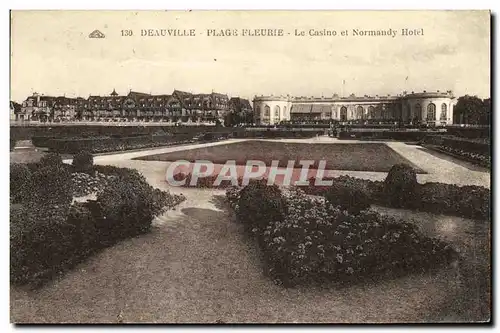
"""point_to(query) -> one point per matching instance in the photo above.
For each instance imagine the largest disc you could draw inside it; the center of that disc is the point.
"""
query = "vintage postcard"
(233, 167)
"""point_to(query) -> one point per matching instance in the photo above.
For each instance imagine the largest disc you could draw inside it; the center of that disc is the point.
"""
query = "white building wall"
(271, 112)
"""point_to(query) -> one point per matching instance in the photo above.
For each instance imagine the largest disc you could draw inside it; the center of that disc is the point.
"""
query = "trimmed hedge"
(305, 240)
(476, 151)
(400, 185)
(279, 133)
(109, 144)
(83, 161)
(384, 135)
(47, 239)
(42, 141)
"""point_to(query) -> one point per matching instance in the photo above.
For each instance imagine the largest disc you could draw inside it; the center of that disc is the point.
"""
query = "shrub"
(349, 198)
(466, 201)
(51, 185)
(48, 237)
(315, 241)
(39, 242)
(260, 204)
(85, 184)
(12, 144)
(51, 159)
(83, 161)
(131, 204)
(400, 185)
(20, 178)
(85, 236)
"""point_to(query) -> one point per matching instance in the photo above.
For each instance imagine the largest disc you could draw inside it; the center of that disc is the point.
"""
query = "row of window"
(431, 111)
(267, 111)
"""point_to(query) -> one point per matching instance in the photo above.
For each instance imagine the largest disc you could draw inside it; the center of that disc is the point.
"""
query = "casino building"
(431, 108)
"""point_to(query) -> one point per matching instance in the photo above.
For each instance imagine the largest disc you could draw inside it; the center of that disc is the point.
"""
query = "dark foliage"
(354, 200)
(83, 161)
(48, 236)
(51, 185)
(259, 204)
(51, 160)
(12, 144)
(20, 181)
(314, 241)
(400, 185)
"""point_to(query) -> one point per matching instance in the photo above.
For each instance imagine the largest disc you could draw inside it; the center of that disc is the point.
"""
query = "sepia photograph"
(250, 167)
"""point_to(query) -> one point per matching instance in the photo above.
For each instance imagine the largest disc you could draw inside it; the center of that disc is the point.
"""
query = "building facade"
(179, 106)
(432, 108)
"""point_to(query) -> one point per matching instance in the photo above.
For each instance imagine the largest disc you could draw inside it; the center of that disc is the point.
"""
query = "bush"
(20, 179)
(400, 185)
(260, 204)
(466, 201)
(131, 204)
(51, 185)
(315, 241)
(12, 144)
(39, 242)
(51, 159)
(85, 184)
(83, 161)
(349, 198)
(48, 237)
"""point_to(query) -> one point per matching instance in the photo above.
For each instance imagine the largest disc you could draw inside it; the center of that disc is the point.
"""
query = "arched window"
(418, 112)
(431, 112)
(284, 112)
(334, 112)
(267, 111)
(276, 111)
(343, 113)
(444, 108)
(371, 112)
(360, 112)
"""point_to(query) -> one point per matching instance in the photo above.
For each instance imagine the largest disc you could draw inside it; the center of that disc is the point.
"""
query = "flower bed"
(439, 198)
(305, 239)
(51, 233)
(475, 158)
(472, 150)
(85, 184)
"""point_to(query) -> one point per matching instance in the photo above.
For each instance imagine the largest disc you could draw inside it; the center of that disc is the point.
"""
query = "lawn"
(376, 157)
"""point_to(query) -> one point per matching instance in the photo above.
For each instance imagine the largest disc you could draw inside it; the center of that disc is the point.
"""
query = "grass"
(377, 157)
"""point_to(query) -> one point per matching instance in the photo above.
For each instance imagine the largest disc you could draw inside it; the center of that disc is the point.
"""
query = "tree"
(486, 116)
(469, 110)
(231, 119)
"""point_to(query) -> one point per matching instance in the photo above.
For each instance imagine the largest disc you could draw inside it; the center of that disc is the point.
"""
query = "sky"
(52, 54)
